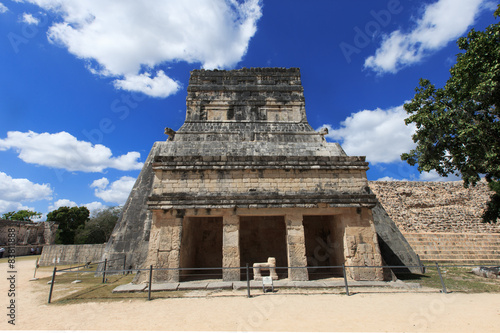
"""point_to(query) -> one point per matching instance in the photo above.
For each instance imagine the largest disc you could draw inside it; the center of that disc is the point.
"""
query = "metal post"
(124, 264)
(52, 283)
(248, 283)
(441, 278)
(150, 281)
(345, 281)
(104, 271)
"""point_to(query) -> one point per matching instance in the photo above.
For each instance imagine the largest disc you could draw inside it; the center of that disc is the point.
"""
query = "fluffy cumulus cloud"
(29, 19)
(433, 176)
(93, 207)
(63, 151)
(128, 40)
(116, 192)
(14, 191)
(380, 135)
(3, 8)
(442, 22)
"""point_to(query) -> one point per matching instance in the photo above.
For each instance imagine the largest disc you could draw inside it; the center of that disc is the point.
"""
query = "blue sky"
(87, 87)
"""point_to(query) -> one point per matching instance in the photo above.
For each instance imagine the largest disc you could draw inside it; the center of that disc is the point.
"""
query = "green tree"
(70, 220)
(21, 215)
(458, 126)
(99, 228)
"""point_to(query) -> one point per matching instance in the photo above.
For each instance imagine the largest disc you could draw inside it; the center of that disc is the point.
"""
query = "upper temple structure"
(246, 178)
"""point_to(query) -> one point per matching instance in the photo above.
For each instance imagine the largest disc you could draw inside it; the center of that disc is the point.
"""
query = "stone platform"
(241, 285)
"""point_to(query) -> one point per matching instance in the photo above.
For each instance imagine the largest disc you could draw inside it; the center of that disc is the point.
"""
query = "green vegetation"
(98, 229)
(21, 215)
(456, 279)
(458, 126)
(91, 288)
(70, 220)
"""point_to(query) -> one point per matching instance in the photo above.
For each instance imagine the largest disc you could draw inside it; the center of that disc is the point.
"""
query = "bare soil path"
(373, 310)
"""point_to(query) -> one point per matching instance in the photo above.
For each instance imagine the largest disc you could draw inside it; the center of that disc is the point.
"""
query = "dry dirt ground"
(371, 310)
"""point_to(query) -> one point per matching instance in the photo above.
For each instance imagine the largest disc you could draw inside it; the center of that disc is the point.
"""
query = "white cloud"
(128, 40)
(433, 176)
(159, 86)
(442, 22)
(390, 179)
(62, 203)
(93, 207)
(117, 192)
(100, 183)
(62, 150)
(29, 19)
(3, 8)
(380, 135)
(14, 191)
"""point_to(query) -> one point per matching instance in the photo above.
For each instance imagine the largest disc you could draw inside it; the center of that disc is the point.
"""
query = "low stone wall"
(71, 254)
(435, 206)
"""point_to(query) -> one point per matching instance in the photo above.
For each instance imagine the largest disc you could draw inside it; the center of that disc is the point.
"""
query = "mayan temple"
(247, 178)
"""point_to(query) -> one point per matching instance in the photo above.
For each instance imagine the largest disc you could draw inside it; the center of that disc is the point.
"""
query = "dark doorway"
(324, 246)
(201, 247)
(262, 237)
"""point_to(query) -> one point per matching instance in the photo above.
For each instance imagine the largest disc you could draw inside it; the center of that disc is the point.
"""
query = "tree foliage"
(458, 126)
(70, 220)
(21, 215)
(99, 228)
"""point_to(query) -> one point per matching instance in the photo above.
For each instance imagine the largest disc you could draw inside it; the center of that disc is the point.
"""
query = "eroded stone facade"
(435, 206)
(247, 178)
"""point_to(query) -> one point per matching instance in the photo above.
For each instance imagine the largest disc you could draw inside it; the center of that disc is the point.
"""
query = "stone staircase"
(455, 247)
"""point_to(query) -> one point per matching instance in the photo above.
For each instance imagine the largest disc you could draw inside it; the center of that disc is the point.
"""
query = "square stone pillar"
(231, 247)
(361, 246)
(296, 248)
(164, 247)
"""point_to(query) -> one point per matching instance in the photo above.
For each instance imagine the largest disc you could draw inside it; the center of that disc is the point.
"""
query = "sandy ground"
(372, 311)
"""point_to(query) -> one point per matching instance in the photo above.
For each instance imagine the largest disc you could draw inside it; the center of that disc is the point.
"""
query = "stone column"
(361, 245)
(296, 247)
(164, 247)
(231, 247)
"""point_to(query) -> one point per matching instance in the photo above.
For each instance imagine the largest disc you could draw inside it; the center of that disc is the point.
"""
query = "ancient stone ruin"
(247, 178)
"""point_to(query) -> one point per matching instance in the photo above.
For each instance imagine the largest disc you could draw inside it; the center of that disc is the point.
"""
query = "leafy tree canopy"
(458, 126)
(21, 215)
(99, 228)
(70, 220)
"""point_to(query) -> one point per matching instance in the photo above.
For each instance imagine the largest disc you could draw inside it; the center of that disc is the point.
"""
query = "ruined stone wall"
(435, 206)
(29, 233)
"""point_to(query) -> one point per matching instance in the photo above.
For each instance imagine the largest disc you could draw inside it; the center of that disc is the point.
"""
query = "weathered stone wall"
(71, 254)
(292, 181)
(28, 233)
(435, 206)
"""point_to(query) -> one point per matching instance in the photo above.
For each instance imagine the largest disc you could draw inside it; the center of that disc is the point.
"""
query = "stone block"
(130, 288)
(192, 285)
(165, 286)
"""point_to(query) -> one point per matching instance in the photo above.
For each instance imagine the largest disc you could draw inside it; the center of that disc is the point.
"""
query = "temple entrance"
(324, 245)
(262, 237)
(201, 247)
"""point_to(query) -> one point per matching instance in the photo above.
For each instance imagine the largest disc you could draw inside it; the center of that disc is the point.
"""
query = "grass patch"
(91, 288)
(457, 279)
(20, 258)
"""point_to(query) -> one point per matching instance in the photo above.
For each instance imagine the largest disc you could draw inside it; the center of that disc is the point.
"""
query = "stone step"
(455, 247)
